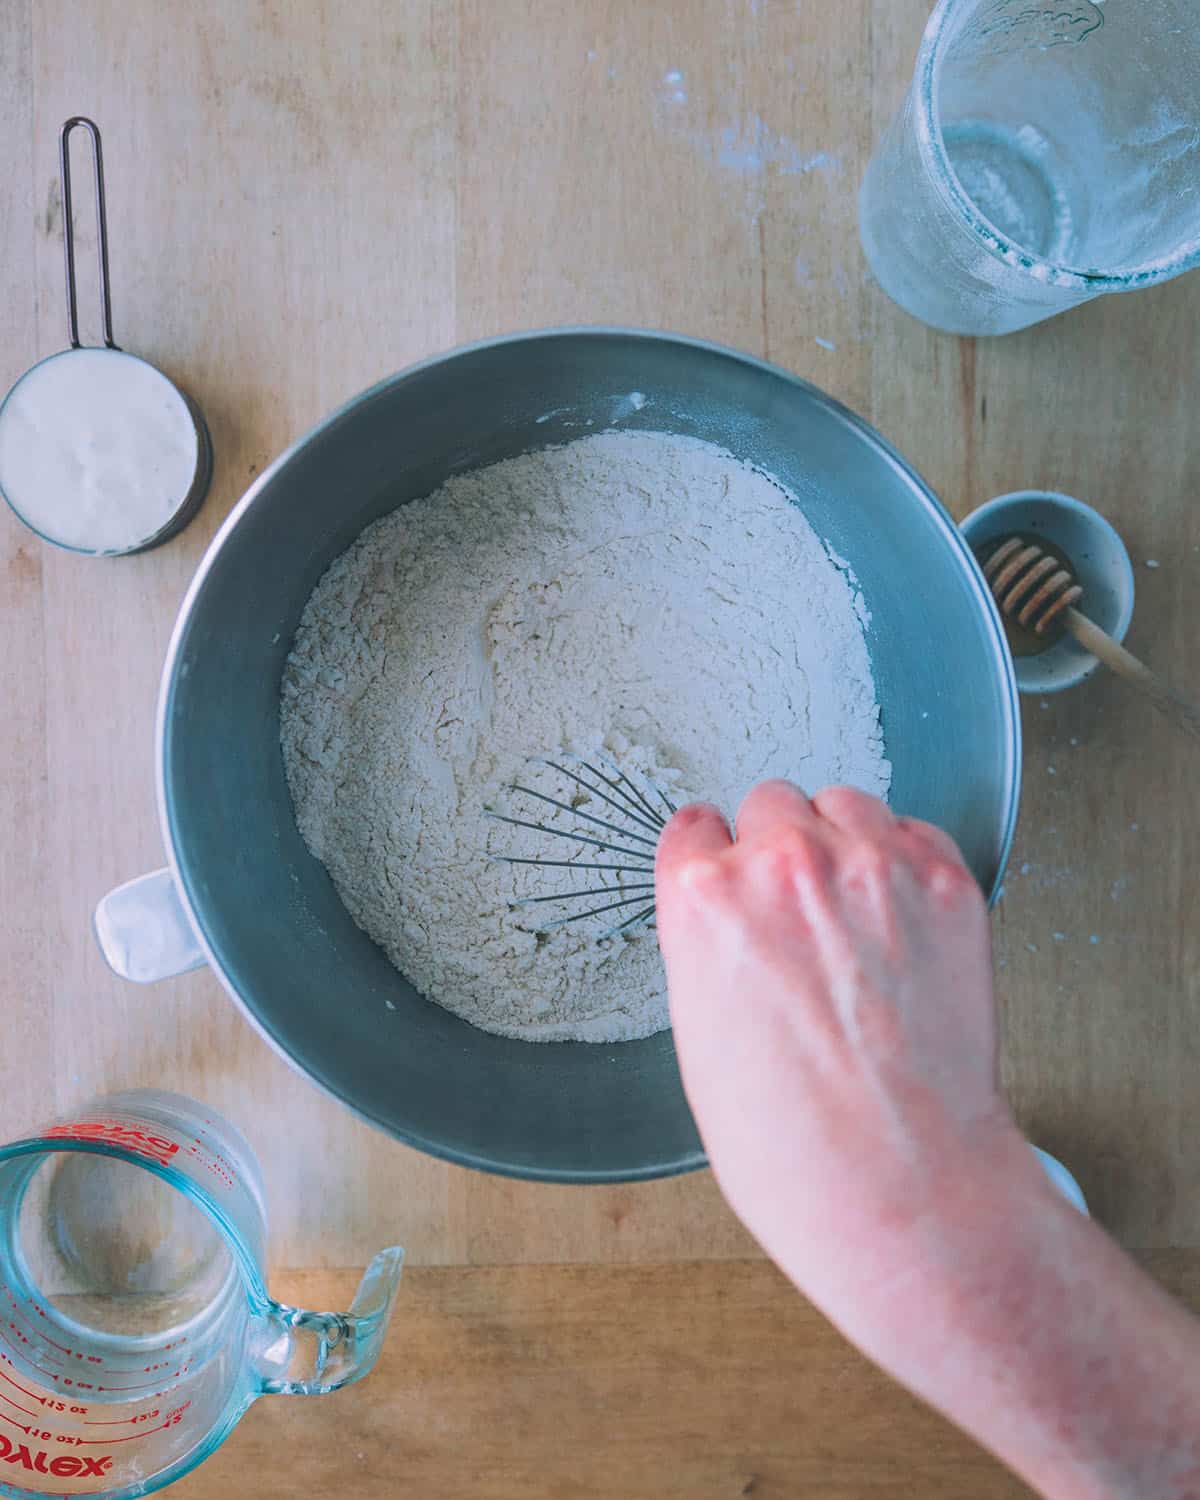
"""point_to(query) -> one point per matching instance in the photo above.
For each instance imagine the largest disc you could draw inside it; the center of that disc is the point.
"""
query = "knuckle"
(806, 853)
(837, 799)
(869, 865)
(754, 796)
(691, 815)
(702, 876)
(951, 883)
(770, 867)
(776, 784)
(928, 836)
(790, 855)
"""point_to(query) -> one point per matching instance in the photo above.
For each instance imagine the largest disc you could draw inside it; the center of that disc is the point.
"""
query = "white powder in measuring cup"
(642, 592)
(98, 450)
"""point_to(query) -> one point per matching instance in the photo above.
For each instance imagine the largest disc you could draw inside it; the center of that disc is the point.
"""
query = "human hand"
(832, 1002)
(831, 996)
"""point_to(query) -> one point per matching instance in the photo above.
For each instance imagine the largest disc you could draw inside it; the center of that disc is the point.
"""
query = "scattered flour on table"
(640, 593)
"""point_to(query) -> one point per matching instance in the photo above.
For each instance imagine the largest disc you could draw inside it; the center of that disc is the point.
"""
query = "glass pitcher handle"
(301, 1353)
(143, 931)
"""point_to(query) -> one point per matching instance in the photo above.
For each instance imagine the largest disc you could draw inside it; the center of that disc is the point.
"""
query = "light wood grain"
(29, 1065)
(1178, 711)
(305, 198)
(649, 1383)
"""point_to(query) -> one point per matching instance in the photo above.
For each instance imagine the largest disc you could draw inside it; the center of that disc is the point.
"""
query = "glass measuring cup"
(1043, 156)
(135, 1324)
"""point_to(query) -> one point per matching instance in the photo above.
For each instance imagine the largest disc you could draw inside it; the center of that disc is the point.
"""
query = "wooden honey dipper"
(1037, 591)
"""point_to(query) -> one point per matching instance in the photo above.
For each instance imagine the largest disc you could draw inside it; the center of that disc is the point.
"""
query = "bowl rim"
(1091, 517)
(921, 492)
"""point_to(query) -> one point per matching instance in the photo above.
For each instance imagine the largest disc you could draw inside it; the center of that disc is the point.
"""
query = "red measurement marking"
(22, 1425)
(145, 1369)
(124, 1421)
(213, 1162)
(38, 1334)
(49, 1374)
(135, 1369)
(134, 1437)
(4, 1396)
(16, 1307)
(33, 1395)
(130, 1370)
(174, 1375)
(41, 1311)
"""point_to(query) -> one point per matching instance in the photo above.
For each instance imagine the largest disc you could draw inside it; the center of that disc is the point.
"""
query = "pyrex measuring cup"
(135, 1324)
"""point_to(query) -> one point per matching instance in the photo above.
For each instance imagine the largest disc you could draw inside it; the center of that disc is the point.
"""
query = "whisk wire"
(640, 796)
(633, 841)
(628, 808)
(581, 916)
(595, 890)
(573, 864)
(646, 915)
(565, 833)
(626, 833)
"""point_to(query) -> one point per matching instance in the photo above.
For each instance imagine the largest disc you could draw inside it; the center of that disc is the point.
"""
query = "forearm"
(832, 1002)
(1028, 1327)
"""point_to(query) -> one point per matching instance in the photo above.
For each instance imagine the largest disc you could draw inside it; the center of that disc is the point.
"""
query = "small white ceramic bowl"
(1098, 557)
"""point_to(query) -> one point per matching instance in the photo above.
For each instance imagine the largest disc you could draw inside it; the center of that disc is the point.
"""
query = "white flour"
(97, 449)
(645, 593)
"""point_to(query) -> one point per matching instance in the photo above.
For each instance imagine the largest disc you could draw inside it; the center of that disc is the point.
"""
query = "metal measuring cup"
(136, 1325)
(99, 452)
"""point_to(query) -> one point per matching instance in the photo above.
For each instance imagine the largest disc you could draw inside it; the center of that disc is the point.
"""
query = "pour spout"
(301, 1353)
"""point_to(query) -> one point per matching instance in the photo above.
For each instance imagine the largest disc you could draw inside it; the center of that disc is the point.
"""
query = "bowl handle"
(143, 931)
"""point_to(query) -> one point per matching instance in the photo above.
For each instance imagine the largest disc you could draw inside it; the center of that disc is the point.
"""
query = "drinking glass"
(1044, 155)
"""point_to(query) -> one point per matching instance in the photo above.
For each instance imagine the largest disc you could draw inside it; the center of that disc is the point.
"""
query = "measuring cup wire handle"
(310, 1353)
(64, 159)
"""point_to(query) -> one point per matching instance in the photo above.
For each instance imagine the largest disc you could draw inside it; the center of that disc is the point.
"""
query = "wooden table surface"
(304, 198)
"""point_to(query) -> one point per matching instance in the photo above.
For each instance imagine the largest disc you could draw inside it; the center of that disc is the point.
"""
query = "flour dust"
(642, 595)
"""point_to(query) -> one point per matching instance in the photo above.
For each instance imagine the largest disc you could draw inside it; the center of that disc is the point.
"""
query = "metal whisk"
(632, 839)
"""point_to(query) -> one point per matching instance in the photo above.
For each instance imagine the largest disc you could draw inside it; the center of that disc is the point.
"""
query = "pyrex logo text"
(62, 1466)
(118, 1133)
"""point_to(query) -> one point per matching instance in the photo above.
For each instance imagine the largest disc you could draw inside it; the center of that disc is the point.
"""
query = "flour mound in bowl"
(642, 595)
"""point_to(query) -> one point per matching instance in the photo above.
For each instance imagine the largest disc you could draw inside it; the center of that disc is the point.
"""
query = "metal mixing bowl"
(269, 919)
